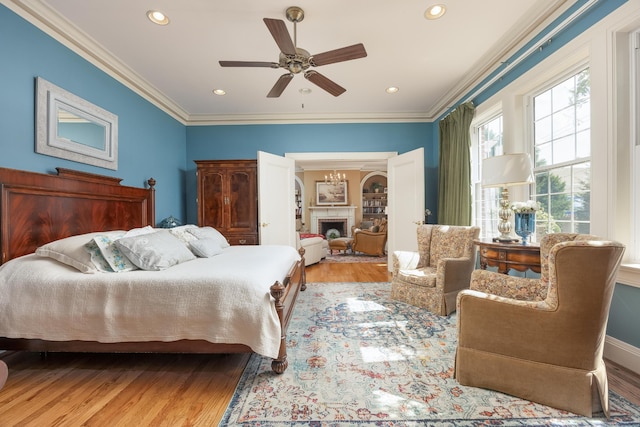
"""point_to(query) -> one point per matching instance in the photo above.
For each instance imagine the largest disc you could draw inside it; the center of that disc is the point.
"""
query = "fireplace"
(335, 224)
(340, 218)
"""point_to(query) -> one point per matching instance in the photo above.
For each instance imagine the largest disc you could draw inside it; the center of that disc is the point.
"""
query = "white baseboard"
(622, 353)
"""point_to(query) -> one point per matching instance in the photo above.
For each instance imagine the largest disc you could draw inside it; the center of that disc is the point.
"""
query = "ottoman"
(340, 244)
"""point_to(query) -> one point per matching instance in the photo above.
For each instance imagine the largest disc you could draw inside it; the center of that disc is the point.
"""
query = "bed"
(177, 309)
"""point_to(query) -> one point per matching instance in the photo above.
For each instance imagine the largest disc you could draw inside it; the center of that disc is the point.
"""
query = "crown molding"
(521, 33)
(55, 25)
(52, 23)
(255, 119)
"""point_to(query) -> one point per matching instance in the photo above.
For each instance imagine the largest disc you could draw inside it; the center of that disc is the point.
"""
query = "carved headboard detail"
(38, 208)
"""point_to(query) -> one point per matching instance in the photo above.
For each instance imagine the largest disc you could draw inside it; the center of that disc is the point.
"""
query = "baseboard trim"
(622, 353)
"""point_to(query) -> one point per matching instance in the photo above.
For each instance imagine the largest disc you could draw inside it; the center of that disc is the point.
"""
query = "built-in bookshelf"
(373, 205)
(374, 197)
(298, 203)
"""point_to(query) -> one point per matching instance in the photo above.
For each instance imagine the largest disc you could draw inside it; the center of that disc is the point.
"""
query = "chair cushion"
(425, 277)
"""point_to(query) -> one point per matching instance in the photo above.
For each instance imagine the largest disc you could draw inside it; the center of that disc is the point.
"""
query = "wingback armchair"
(370, 242)
(432, 277)
(542, 339)
(4, 373)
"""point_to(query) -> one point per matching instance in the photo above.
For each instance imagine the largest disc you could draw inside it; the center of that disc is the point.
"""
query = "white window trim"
(482, 116)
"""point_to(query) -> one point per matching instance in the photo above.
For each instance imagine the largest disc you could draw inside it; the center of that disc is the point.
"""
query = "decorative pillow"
(206, 248)
(112, 254)
(139, 231)
(98, 260)
(375, 229)
(182, 233)
(71, 251)
(209, 233)
(154, 251)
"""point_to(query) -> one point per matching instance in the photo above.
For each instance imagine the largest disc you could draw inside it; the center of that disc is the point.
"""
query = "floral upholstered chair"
(432, 277)
(542, 339)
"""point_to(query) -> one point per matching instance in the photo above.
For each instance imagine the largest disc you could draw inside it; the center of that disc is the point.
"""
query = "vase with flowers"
(525, 218)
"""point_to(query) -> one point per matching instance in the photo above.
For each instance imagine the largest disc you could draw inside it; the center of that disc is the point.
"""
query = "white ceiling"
(434, 63)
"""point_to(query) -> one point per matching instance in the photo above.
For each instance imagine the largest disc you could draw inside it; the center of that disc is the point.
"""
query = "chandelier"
(335, 178)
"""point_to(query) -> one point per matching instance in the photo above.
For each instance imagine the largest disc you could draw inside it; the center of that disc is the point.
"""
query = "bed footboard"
(285, 295)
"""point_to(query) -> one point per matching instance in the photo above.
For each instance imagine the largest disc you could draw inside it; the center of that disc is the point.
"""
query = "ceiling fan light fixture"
(305, 91)
(392, 89)
(436, 11)
(219, 92)
(157, 17)
(296, 60)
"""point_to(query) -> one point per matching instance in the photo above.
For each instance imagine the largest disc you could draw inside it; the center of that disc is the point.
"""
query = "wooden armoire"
(228, 198)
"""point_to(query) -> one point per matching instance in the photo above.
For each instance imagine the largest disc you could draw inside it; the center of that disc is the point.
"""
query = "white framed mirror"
(72, 128)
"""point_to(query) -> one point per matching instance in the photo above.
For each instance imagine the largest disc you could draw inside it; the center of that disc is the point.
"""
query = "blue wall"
(150, 143)
(244, 142)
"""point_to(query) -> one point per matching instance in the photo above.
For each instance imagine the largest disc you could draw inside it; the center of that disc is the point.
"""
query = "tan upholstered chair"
(432, 277)
(4, 373)
(544, 345)
(370, 242)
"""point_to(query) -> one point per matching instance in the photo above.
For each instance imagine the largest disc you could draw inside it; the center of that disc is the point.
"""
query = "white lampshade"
(507, 170)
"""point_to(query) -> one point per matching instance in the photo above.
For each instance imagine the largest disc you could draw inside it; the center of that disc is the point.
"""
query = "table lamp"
(506, 171)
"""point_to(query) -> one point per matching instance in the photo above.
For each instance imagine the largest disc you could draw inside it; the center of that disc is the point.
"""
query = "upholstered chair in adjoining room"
(542, 339)
(432, 277)
(370, 241)
(314, 249)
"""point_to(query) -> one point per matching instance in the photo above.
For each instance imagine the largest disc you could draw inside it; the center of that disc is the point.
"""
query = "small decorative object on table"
(170, 222)
(427, 214)
(525, 218)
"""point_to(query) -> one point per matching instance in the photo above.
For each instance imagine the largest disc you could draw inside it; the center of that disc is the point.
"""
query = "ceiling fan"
(297, 60)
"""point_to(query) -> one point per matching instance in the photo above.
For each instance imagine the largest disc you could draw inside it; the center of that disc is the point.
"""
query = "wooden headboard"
(38, 208)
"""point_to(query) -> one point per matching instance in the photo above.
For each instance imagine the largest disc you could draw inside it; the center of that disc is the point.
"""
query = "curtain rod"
(511, 64)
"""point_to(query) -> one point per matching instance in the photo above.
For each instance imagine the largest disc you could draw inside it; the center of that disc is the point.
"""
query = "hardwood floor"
(159, 389)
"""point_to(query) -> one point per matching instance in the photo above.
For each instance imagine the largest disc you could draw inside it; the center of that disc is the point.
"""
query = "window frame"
(530, 147)
(478, 191)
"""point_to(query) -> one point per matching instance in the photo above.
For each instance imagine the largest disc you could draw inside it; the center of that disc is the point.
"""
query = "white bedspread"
(223, 299)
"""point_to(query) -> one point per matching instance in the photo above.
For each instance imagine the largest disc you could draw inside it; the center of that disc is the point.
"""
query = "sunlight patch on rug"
(356, 357)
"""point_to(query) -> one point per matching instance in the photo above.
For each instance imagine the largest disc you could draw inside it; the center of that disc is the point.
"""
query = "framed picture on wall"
(328, 194)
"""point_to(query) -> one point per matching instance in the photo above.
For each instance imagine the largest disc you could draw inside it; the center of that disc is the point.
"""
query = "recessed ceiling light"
(219, 92)
(157, 17)
(305, 91)
(392, 89)
(436, 11)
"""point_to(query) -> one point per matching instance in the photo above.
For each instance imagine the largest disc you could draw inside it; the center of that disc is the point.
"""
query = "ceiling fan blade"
(248, 64)
(280, 85)
(338, 55)
(324, 83)
(280, 34)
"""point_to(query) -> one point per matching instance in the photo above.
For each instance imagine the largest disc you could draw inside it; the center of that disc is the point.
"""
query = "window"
(635, 138)
(562, 156)
(488, 144)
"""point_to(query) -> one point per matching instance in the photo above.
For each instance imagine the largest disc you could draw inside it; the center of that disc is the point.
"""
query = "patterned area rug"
(358, 358)
(349, 257)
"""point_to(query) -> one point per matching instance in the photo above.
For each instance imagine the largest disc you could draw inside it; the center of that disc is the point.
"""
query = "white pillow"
(209, 233)
(139, 231)
(71, 251)
(182, 233)
(205, 248)
(117, 260)
(154, 251)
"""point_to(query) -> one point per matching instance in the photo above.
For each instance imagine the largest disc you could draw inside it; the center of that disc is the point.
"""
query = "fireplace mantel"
(332, 212)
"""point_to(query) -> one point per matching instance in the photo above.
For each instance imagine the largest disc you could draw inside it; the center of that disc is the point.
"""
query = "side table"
(507, 256)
